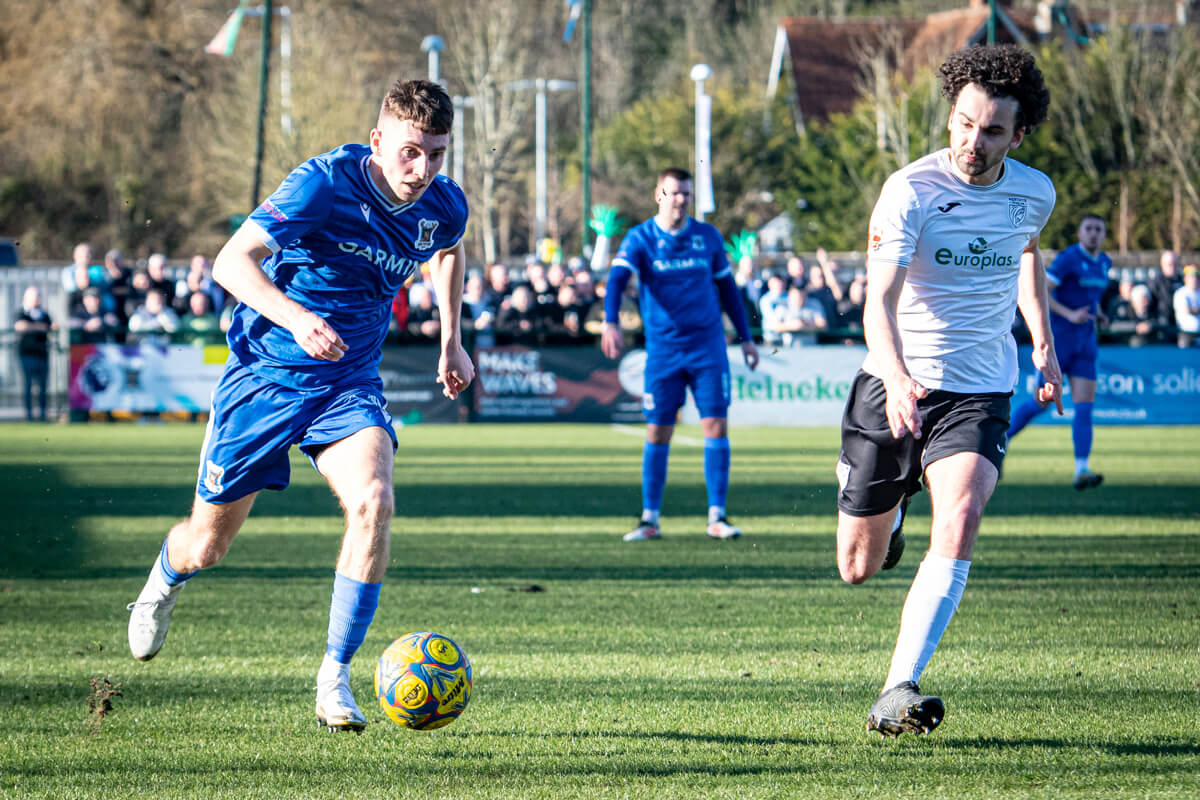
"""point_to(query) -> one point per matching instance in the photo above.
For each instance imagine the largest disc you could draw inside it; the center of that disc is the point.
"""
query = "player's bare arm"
(886, 355)
(1034, 302)
(611, 340)
(750, 354)
(238, 269)
(455, 370)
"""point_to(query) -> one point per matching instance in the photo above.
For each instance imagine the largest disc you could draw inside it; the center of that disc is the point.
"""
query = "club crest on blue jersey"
(697, 242)
(1017, 208)
(425, 240)
(212, 477)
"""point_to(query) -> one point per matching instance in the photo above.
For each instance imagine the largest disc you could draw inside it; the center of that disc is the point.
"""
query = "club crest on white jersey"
(1017, 208)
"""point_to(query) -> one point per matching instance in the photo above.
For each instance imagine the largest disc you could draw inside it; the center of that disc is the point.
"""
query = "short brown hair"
(677, 173)
(423, 103)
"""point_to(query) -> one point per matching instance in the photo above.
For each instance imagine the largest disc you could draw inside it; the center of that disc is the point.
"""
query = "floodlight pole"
(585, 127)
(700, 73)
(434, 45)
(456, 160)
(541, 213)
(264, 71)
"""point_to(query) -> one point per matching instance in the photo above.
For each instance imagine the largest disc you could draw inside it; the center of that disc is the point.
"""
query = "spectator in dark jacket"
(33, 326)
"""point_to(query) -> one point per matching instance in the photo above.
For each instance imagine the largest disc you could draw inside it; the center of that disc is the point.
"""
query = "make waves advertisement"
(566, 384)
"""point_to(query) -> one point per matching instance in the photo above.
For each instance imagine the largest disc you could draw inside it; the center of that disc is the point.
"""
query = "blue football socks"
(350, 614)
(654, 475)
(1081, 430)
(716, 470)
(1023, 415)
(170, 575)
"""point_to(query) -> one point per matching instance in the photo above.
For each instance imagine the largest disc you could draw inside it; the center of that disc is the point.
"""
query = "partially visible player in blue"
(316, 267)
(1076, 280)
(684, 280)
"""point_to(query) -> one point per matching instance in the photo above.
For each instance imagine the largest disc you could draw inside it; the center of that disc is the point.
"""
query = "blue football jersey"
(1081, 279)
(340, 248)
(676, 273)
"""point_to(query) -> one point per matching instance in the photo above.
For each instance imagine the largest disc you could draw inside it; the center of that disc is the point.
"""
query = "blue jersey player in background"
(1077, 279)
(316, 267)
(684, 280)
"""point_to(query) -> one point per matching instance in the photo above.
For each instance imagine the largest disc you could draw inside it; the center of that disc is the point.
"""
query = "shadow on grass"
(44, 506)
(1155, 748)
(515, 560)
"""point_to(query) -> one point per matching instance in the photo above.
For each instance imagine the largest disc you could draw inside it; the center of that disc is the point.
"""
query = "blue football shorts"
(1076, 348)
(254, 423)
(670, 373)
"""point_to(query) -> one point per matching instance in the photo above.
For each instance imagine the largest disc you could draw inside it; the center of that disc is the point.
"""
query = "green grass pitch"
(676, 669)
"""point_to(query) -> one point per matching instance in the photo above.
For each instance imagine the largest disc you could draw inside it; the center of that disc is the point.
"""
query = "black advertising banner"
(552, 384)
(409, 376)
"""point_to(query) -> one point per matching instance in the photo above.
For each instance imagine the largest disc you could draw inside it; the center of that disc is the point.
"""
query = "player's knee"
(855, 567)
(854, 572)
(377, 503)
(202, 548)
(659, 434)
(962, 520)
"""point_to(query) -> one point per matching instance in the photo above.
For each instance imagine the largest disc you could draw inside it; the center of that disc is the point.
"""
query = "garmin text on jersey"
(380, 257)
(688, 262)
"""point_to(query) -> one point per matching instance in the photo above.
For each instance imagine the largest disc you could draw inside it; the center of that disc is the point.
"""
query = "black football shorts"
(875, 470)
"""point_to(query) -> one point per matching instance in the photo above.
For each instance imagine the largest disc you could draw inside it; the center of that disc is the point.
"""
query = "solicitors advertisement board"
(1134, 386)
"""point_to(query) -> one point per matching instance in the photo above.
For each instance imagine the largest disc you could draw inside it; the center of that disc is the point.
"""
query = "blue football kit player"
(315, 268)
(684, 282)
(1077, 279)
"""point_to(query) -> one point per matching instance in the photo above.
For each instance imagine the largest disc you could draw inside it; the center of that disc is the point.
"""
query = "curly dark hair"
(1003, 70)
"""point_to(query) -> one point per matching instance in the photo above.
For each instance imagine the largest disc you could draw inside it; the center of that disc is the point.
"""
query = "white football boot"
(644, 531)
(149, 618)
(336, 709)
(721, 529)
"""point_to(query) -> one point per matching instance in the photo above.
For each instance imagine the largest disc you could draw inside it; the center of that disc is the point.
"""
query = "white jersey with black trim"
(960, 246)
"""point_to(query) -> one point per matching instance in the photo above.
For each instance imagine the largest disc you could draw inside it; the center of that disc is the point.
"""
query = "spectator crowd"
(789, 302)
(116, 302)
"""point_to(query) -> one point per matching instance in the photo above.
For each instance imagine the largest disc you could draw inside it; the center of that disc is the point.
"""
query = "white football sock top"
(931, 603)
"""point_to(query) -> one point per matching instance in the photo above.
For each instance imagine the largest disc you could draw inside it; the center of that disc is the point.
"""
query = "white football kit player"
(961, 245)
